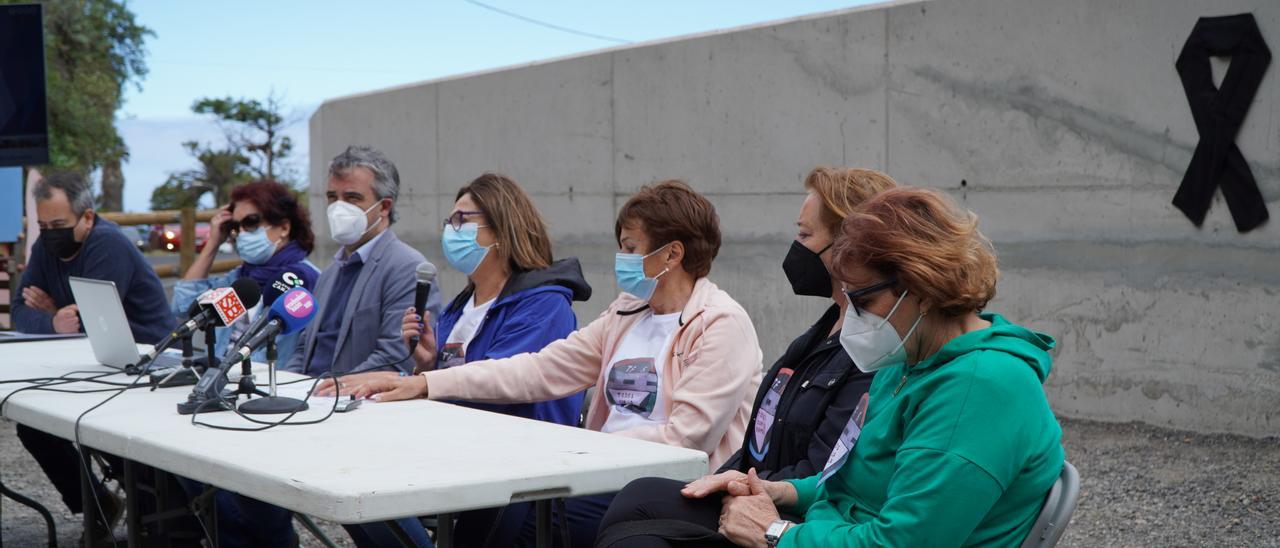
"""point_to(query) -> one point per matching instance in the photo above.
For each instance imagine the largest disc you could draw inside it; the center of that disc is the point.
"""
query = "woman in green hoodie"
(956, 444)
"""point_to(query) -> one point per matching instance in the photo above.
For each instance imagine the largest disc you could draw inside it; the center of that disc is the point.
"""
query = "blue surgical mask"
(629, 270)
(461, 249)
(254, 247)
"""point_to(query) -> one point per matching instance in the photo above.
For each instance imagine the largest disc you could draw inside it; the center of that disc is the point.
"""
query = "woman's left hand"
(348, 384)
(745, 518)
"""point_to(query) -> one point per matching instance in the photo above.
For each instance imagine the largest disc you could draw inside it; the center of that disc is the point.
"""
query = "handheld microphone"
(426, 277)
(291, 312)
(213, 308)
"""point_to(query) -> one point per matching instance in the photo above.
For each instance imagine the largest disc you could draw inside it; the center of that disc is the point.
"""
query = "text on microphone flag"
(298, 303)
(229, 308)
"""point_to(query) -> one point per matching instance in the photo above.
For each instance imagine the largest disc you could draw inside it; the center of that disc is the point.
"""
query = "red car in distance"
(169, 237)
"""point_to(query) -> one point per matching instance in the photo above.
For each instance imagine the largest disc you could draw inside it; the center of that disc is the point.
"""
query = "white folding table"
(377, 463)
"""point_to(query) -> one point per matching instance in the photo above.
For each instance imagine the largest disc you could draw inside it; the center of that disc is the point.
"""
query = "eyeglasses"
(249, 223)
(459, 218)
(858, 297)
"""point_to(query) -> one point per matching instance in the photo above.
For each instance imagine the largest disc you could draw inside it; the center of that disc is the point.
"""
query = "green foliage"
(93, 48)
(221, 169)
(254, 127)
(255, 149)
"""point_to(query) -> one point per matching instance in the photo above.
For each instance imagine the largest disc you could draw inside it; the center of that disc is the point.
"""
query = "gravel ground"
(1141, 486)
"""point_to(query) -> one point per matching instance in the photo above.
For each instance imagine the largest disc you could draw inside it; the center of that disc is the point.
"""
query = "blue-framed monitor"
(24, 114)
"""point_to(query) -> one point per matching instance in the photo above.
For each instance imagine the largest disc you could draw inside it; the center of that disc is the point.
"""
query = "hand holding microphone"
(415, 328)
(417, 334)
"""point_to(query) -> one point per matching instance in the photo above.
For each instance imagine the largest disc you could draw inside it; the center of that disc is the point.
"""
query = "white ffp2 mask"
(872, 341)
(347, 223)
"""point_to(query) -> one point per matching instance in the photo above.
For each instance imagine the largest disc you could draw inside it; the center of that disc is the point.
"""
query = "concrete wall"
(1062, 123)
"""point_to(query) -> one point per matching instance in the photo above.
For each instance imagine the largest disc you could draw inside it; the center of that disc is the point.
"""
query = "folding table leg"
(314, 529)
(132, 515)
(44, 512)
(444, 531)
(88, 504)
(401, 534)
(544, 523)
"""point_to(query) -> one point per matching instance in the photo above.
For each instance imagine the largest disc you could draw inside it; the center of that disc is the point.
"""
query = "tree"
(255, 149)
(93, 48)
(220, 170)
(254, 127)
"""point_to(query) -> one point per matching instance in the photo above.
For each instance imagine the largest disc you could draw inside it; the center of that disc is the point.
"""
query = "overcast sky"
(308, 51)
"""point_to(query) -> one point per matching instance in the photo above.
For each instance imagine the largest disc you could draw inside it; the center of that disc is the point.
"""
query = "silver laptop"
(102, 315)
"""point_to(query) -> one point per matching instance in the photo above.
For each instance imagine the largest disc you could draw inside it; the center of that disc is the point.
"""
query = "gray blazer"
(369, 337)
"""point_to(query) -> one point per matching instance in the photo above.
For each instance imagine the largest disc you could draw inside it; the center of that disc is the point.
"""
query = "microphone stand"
(272, 404)
(188, 364)
(245, 385)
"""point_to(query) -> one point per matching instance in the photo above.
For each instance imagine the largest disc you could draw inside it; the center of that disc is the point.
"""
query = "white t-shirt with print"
(454, 352)
(635, 373)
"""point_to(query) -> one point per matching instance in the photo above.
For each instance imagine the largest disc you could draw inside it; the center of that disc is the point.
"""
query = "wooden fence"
(186, 218)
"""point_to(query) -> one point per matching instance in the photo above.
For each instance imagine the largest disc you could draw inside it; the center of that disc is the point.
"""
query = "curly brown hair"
(276, 204)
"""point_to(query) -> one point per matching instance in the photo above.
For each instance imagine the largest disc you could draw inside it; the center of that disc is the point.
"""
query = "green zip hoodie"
(959, 450)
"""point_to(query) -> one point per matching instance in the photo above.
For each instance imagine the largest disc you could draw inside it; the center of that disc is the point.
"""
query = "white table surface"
(378, 462)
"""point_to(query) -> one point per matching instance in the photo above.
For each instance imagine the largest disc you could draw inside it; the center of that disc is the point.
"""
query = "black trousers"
(660, 499)
(61, 464)
(516, 524)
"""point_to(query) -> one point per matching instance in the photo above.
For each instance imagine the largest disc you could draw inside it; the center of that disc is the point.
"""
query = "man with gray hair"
(363, 294)
(74, 241)
(362, 297)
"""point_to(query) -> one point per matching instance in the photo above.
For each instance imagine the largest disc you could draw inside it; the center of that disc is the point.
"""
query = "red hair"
(931, 245)
(276, 204)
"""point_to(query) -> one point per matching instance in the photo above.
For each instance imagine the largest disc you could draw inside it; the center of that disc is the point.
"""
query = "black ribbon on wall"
(1218, 113)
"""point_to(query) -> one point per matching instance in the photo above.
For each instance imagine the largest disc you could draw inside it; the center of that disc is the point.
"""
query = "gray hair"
(386, 179)
(75, 186)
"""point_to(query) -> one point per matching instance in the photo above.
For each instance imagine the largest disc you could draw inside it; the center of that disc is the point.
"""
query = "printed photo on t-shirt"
(633, 386)
(453, 354)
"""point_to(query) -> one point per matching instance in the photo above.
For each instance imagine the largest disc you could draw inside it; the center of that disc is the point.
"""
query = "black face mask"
(61, 242)
(805, 271)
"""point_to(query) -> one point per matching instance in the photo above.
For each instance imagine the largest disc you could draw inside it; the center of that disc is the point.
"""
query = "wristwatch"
(774, 533)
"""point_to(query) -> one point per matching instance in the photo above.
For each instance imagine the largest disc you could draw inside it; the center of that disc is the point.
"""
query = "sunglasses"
(459, 218)
(858, 297)
(249, 223)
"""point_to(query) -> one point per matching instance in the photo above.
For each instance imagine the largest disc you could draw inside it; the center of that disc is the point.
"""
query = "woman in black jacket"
(803, 403)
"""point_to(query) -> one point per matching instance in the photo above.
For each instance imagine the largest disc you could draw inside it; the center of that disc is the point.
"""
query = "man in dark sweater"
(76, 242)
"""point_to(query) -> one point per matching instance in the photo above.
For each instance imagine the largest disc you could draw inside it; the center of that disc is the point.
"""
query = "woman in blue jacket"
(273, 237)
(517, 300)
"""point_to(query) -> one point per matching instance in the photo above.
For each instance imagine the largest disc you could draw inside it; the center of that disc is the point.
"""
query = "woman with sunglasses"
(958, 445)
(674, 359)
(273, 237)
(806, 397)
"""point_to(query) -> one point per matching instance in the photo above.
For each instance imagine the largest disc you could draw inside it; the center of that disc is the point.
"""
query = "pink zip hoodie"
(713, 369)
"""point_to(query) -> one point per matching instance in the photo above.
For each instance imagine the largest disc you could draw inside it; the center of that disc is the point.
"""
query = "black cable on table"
(267, 425)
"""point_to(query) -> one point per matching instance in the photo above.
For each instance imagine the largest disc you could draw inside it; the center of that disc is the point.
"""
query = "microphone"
(213, 308)
(426, 276)
(291, 312)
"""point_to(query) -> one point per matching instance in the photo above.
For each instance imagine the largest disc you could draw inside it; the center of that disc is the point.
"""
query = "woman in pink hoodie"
(674, 359)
